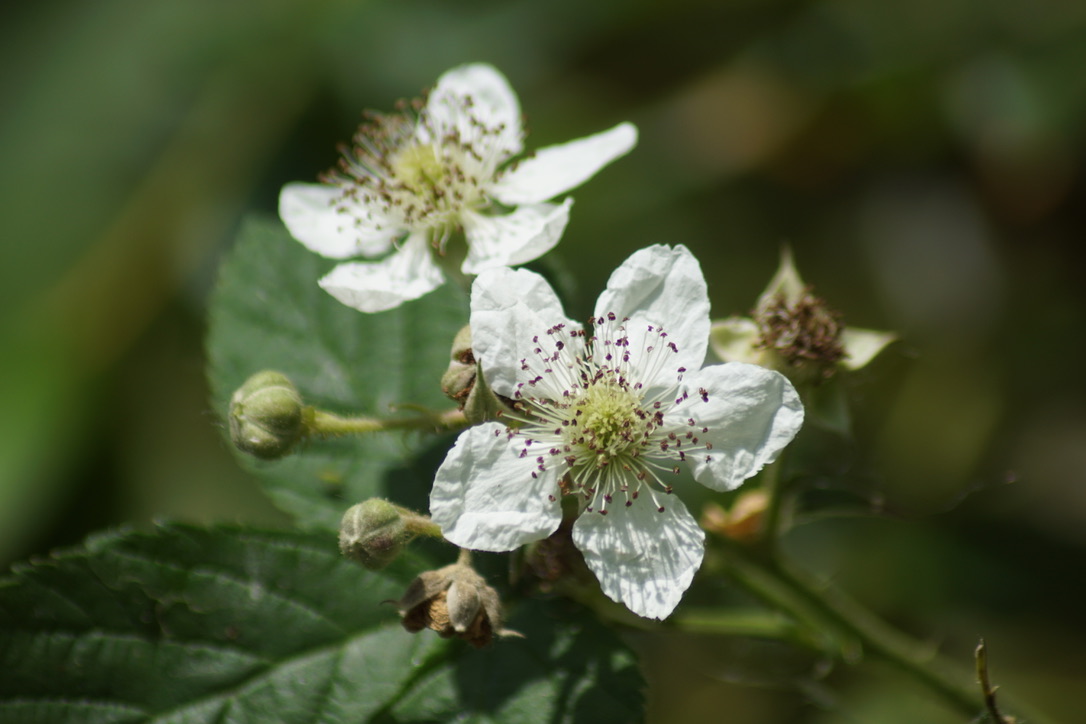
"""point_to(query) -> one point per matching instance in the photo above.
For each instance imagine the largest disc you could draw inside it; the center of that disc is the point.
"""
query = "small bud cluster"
(804, 332)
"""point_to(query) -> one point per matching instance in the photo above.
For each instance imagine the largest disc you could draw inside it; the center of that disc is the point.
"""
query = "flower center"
(596, 406)
(410, 171)
(418, 168)
(610, 417)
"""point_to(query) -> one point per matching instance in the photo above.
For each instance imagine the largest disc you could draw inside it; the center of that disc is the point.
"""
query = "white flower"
(607, 416)
(411, 179)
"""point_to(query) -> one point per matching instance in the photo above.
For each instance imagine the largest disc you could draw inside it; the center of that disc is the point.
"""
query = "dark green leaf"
(194, 625)
(269, 313)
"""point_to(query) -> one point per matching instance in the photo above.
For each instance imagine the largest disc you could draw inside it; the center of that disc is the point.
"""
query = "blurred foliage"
(924, 159)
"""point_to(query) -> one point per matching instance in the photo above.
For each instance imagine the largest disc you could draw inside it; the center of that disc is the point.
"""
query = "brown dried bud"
(453, 601)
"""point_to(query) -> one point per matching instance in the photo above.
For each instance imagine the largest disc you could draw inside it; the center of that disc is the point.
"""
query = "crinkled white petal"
(381, 285)
(311, 216)
(643, 558)
(526, 234)
(484, 496)
(751, 414)
(556, 169)
(662, 286)
(511, 311)
(493, 103)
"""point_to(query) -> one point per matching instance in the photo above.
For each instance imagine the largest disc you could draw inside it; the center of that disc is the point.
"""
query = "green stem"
(319, 422)
(419, 524)
(757, 624)
(854, 628)
(773, 484)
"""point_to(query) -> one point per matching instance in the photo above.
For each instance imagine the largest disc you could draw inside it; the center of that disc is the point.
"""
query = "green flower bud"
(266, 416)
(373, 533)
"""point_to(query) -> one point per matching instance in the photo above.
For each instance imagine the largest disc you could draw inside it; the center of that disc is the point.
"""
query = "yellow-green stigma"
(418, 168)
(584, 405)
(610, 417)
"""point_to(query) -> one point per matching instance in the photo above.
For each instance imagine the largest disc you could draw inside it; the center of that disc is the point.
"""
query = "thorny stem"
(319, 422)
(854, 629)
(986, 688)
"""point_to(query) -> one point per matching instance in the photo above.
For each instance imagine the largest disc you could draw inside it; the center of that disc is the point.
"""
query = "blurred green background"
(924, 159)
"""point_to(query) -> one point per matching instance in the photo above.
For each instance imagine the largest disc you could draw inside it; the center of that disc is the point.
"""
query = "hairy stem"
(319, 422)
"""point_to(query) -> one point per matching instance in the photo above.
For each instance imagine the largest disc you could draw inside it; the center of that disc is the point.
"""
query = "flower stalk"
(329, 424)
(853, 629)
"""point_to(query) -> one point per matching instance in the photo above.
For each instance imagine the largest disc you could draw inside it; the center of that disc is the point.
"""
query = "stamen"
(596, 414)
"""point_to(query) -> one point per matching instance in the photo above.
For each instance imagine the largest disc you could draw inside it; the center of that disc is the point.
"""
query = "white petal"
(492, 103)
(511, 312)
(751, 413)
(643, 558)
(662, 286)
(380, 285)
(484, 496)
(311, 215)
(527, 233)
(556, 169)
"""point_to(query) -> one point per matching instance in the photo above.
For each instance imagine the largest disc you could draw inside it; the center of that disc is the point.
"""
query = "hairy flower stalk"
(410, 180)
(609, 416)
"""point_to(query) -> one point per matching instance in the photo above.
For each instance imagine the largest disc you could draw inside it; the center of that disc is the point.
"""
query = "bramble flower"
(795, 332)
(411, 179)
(608, 416)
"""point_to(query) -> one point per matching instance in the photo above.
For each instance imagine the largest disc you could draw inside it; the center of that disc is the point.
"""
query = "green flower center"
(610, 420)
(419, 168)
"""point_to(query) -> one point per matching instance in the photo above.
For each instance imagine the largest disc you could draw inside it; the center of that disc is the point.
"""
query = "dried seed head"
(803, 331)
(453, 601)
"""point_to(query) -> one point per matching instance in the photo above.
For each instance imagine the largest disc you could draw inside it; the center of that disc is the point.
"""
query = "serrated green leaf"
(568, 668)
(194, 625)
(269, 313)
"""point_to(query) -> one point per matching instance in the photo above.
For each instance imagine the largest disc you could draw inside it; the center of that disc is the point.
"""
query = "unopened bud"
(266, 416)
(373, 533)
(464, 384)
(453, 601)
